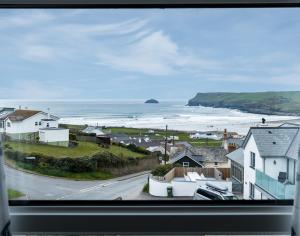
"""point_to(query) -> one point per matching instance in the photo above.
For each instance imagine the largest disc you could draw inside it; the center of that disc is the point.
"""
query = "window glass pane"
(150, 104)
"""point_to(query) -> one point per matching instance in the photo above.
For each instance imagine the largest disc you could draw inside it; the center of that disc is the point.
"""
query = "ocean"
(137, 114)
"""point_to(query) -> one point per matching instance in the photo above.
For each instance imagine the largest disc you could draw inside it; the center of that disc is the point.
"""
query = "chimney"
(225, 134)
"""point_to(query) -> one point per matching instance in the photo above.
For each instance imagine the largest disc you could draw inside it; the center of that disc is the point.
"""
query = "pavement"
(37, 187)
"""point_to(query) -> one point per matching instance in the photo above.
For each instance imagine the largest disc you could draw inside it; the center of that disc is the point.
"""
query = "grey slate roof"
(276, 141)
(237, 156)
(236, 141)
(187, 153)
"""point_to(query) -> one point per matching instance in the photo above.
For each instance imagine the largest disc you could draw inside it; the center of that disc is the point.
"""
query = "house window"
(251, 191)
(8, 124)
(40, 123)
(1, 125)
(185, 164)
(216, 163)
(252, 160)
(47, 125)
(36, 123)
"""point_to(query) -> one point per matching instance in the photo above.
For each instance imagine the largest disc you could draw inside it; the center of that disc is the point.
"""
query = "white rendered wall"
(249, 173)
(48, 136)
(181, 188)
(272, 169)
(25, 126)
(52, 124)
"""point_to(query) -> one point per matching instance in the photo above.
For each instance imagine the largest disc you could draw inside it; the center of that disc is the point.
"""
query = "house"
(187, 158)
(270, 157)
(32, 125)
(230, 144)
(236, 159)
(93, 130)
(4, 112)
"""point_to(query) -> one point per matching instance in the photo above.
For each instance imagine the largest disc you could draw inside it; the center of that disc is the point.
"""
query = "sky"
(147, 53)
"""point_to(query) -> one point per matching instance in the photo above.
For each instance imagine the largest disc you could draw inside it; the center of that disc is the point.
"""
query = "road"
(37, 187)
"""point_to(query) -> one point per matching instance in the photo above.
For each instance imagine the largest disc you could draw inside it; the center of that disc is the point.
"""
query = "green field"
(13, 194)
(83, 149)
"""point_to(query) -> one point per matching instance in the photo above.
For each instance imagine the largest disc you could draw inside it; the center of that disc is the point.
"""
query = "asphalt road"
(37, 187)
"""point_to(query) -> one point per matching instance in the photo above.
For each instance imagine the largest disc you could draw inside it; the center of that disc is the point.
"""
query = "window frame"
(184, 164)
(252, 159)
(84, 216)
(251, 190)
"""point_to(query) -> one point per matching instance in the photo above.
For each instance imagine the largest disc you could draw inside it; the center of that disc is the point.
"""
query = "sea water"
(135, 113)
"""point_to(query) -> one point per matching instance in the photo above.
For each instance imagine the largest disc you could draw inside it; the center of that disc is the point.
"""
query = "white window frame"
(185, 164)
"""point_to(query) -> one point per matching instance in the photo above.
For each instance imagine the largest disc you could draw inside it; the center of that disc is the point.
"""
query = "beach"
(137, 114)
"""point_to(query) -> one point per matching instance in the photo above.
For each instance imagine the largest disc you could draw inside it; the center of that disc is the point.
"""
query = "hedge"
(76, 165)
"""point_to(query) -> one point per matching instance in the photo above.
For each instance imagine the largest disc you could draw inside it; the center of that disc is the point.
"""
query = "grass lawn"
(12, 194)
(83, 149)
(96, 175)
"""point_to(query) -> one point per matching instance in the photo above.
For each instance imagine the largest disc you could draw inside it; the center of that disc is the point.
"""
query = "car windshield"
(150, 104)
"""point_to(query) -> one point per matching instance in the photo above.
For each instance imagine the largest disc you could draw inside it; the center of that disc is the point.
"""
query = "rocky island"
(151, 101)
(269, 103)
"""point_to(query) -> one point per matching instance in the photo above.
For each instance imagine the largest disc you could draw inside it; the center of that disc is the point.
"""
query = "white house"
(4, 112)
(93, 130)
(270, 157)
(27, 124)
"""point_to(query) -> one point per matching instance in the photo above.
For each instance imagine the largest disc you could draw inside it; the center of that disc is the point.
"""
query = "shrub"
(72, 137)
(146, 188)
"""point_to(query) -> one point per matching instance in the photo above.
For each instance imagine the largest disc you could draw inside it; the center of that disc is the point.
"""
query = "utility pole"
(166, 142)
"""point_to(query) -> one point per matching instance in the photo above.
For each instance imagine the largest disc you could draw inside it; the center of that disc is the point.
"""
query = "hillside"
(271, 103)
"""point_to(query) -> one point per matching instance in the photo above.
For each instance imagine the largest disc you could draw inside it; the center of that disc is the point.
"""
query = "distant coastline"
(266, 103)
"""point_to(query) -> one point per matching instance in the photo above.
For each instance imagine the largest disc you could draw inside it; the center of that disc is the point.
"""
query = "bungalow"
(34, 125)
(270, 157)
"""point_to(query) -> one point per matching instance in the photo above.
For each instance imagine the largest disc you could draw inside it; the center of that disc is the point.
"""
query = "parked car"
(213, 192)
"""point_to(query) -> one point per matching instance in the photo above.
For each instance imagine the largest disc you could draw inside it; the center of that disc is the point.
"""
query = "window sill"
(153, 219)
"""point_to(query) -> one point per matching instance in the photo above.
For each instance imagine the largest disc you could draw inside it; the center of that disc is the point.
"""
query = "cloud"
(35, 89)
(154, 54)
(25, 19)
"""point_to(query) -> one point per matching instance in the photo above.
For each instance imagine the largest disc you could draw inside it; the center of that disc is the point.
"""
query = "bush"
(72, 137)
(162, 170)
(146, 188)
(75, 165)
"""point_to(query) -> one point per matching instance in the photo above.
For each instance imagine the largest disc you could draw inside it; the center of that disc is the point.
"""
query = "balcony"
(274, 187)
